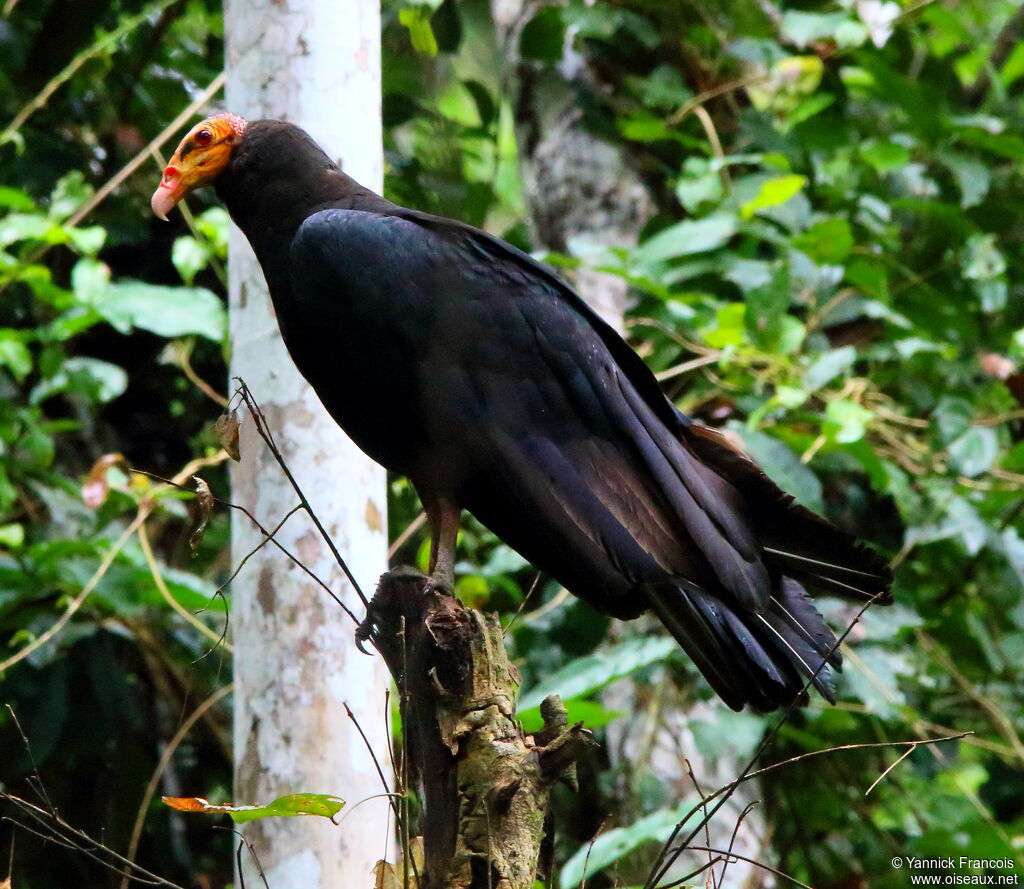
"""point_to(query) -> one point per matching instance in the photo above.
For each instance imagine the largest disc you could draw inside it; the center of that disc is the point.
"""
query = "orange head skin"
(201, 155)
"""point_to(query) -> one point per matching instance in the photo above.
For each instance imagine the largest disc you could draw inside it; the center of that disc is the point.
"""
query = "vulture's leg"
(443, 516)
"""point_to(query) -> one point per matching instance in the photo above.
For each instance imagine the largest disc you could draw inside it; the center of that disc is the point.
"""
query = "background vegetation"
(832, 275)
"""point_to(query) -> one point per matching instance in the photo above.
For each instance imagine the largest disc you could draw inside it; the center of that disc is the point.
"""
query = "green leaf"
(291, 806)
(12, 536)
(984, 260)
(189, 257)
(828, 242)
(485, 105)
(166, 311)
(975, 451)
(729, 329)
(1013, 67)
(98, 381)
(804, 28)
(695, 191)
(416, 20)
(885, 156)
(765, 318)
(846, 421)
(951, 418)
(828, 366)
(14, 354)
(774, 192)
(587, 674)
(961, 521)
(688, 237)
(15, 199)
(644, 127)
(610, 846)
(87, 240)
(782, 466)
(27, 227)
(543, 37)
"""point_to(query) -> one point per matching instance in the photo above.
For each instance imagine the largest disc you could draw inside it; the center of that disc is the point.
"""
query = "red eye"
(203, 138)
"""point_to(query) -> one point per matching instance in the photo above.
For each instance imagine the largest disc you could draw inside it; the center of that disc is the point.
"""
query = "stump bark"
(484, 782)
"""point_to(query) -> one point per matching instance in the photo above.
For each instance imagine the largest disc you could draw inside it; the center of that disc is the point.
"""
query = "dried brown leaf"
(226, 429)
(96, 486)
(384, 876)
(200, 509)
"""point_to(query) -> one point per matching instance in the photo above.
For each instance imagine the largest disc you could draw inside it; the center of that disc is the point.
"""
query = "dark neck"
(276, 179)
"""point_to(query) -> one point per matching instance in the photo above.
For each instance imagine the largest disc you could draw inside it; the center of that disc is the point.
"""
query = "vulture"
(457, 360)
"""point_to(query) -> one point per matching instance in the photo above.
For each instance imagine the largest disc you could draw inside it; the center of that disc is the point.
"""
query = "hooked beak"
(171, 189)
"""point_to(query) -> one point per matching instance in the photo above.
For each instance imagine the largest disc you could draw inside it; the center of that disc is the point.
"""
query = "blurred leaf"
(98, 381)
(804, 28)
(543, 36)
(688, 237)
(14, 354)
(828, 366)
(846, 421)
(587, 674)
(12, 535)
(885, 156)
(166, 311)
(828, 242)
(975, 451)
(416, 20)
(189, 257)
(782, 466)
(610, 846)
(774, 192)
(961, 521)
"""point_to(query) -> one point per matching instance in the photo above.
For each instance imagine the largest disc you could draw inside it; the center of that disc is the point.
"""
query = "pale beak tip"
(161, 203)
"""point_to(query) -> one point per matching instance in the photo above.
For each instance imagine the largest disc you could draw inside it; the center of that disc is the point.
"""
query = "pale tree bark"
(315, 63)
(580, 190)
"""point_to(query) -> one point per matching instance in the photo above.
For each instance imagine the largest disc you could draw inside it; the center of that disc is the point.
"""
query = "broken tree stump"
(485, 783)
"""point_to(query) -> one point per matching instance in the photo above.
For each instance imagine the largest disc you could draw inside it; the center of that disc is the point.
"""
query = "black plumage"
(455, 359)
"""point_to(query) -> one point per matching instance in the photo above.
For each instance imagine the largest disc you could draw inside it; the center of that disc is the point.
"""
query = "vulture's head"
(199, 159)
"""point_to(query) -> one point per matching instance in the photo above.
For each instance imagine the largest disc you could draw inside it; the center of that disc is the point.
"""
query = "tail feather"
(795, 542)
(764, 660)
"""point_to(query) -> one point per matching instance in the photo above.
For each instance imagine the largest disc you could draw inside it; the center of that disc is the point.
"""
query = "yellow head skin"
(201, 155)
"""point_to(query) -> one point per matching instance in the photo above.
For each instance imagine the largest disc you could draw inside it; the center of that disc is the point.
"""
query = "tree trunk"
(484, 783)
(315, 63)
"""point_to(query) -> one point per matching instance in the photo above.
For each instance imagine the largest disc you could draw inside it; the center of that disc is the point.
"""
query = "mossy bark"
(485, 783)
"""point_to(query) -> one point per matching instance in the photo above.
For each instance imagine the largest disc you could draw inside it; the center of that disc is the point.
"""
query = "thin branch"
(665, 860)
(143, 512)
(268, 537)
(410, 529)
(161, 585)
(161, 767)
(40, 787)
(264, 432)
(146, 506)
(732, 840)
(902, 757)
(103, 43)
(60, 831)
(752, 861)
(112, 184)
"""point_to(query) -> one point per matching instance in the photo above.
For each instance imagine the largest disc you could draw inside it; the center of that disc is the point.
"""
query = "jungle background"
(826, 268)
